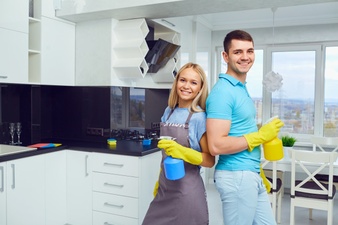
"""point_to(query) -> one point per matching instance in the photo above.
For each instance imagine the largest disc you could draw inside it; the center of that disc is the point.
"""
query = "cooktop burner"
(122, 134)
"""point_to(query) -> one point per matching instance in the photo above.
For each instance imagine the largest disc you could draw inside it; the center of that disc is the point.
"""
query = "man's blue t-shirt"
(230, 100)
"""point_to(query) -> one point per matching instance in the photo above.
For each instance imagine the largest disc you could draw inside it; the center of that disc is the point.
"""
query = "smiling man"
(233, 135)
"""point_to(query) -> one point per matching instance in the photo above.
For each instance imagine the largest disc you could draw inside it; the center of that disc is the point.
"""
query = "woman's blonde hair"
(198, 104)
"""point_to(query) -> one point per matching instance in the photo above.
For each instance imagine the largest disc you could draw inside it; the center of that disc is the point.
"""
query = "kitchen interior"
(74, 88)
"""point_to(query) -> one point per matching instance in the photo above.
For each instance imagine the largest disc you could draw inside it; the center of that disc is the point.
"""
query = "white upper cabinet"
(13, 41)
(14, 14)
(111, 52)
(130, 48)
(13, 56)
(51, 47)
(57, 52)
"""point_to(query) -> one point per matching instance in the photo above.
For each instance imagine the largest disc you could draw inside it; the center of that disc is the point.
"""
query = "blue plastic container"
(146, 142)
(174, 168)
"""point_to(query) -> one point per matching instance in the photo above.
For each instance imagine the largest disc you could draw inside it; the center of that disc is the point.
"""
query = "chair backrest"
(312, 163)
(322, 142)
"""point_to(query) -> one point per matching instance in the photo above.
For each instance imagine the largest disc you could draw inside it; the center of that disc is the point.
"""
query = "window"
(331, 97)
(294, 102)
(127, 108)
(136, 107)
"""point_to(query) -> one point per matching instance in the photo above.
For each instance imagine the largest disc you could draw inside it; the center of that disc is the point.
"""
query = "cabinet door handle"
(3, 77)
(2, 179)
(13, 176)
(113, 205)
(114, 185)
(86, 166)
(113, 164)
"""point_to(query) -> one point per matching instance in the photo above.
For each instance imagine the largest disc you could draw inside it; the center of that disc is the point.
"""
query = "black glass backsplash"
(63, 113)
(54, 112)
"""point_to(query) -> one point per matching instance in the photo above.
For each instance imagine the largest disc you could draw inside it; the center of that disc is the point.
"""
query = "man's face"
(240, 58)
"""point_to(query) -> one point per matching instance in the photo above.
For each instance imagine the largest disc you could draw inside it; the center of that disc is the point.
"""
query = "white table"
(285, 165)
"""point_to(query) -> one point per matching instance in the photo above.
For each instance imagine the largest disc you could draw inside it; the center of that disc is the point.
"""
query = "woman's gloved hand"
(156, 188)
(265, 180)
(265, 134)
(175, 150)
(157, 184)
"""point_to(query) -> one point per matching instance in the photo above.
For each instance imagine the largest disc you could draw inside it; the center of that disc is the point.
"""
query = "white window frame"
(319, 86)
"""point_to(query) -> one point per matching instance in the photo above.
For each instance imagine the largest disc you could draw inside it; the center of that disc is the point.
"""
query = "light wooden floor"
(302, 214)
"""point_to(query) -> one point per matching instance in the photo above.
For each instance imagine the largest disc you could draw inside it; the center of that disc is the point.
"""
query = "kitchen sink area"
(13, 149)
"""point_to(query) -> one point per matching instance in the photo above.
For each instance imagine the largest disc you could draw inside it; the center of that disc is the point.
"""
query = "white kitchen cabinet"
(25, 191)
(3, 195)
(123, 187)
(115, 50)
(57, 52)
(130, 48)
(51, 47)
(13, 56)
(13, 17)
(56, 188)
(79, 188)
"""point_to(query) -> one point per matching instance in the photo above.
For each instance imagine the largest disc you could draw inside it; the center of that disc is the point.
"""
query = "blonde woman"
(183, 201)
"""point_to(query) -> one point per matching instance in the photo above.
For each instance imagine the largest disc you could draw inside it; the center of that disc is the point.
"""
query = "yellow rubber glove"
(156, 188)
(265, 134)
(175, 150)
(265, 181)
(157, 184)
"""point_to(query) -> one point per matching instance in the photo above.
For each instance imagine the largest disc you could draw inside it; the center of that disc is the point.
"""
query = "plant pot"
(286, 152)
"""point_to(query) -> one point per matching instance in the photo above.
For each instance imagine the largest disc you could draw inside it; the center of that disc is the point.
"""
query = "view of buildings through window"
(127, 107)
(294, 101)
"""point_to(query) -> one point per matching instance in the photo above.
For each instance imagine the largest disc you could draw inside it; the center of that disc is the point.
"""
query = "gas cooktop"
(134, 135)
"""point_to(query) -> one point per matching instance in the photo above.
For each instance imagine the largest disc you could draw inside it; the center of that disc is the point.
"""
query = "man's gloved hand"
(265, 181)
(265, 134)
(175, 150)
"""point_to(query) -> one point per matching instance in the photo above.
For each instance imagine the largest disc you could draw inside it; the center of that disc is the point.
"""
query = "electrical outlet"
(155, 125)
(94, 131)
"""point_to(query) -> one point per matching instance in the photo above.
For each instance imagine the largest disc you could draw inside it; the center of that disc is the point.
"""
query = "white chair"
(309, 192)
(276, 183)
(325, 144)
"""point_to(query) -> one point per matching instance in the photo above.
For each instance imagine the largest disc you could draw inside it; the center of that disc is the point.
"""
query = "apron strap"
(186, 125)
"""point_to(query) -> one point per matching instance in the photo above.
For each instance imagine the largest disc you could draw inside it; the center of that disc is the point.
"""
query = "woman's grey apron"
(183, 201)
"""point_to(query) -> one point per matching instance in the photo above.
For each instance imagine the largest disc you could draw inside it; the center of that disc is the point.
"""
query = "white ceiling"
(216, 14)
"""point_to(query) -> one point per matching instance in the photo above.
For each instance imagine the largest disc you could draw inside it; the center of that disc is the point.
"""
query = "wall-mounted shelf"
(34, 43)
(129, 49)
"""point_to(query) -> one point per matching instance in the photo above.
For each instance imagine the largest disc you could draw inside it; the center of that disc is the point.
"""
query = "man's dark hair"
(237, 35)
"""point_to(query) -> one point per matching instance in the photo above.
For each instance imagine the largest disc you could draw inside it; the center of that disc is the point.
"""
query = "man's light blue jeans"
(244, 198)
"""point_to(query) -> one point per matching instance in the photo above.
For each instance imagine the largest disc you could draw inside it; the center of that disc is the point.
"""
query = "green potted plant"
(288, 141)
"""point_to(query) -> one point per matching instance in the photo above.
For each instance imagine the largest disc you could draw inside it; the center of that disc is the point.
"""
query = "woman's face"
(189, 83)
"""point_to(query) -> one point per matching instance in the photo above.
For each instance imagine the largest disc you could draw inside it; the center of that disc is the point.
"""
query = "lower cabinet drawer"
(109, 219)
(115, 184)
(115, 204)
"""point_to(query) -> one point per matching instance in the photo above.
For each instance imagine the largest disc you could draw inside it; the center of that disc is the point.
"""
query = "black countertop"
(123, 147)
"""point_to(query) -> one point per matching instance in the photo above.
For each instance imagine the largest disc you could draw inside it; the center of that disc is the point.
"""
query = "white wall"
(286, 35)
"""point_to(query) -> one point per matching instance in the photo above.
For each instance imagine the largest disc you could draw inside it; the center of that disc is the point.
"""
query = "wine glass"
(11, 132)
(18, 132)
